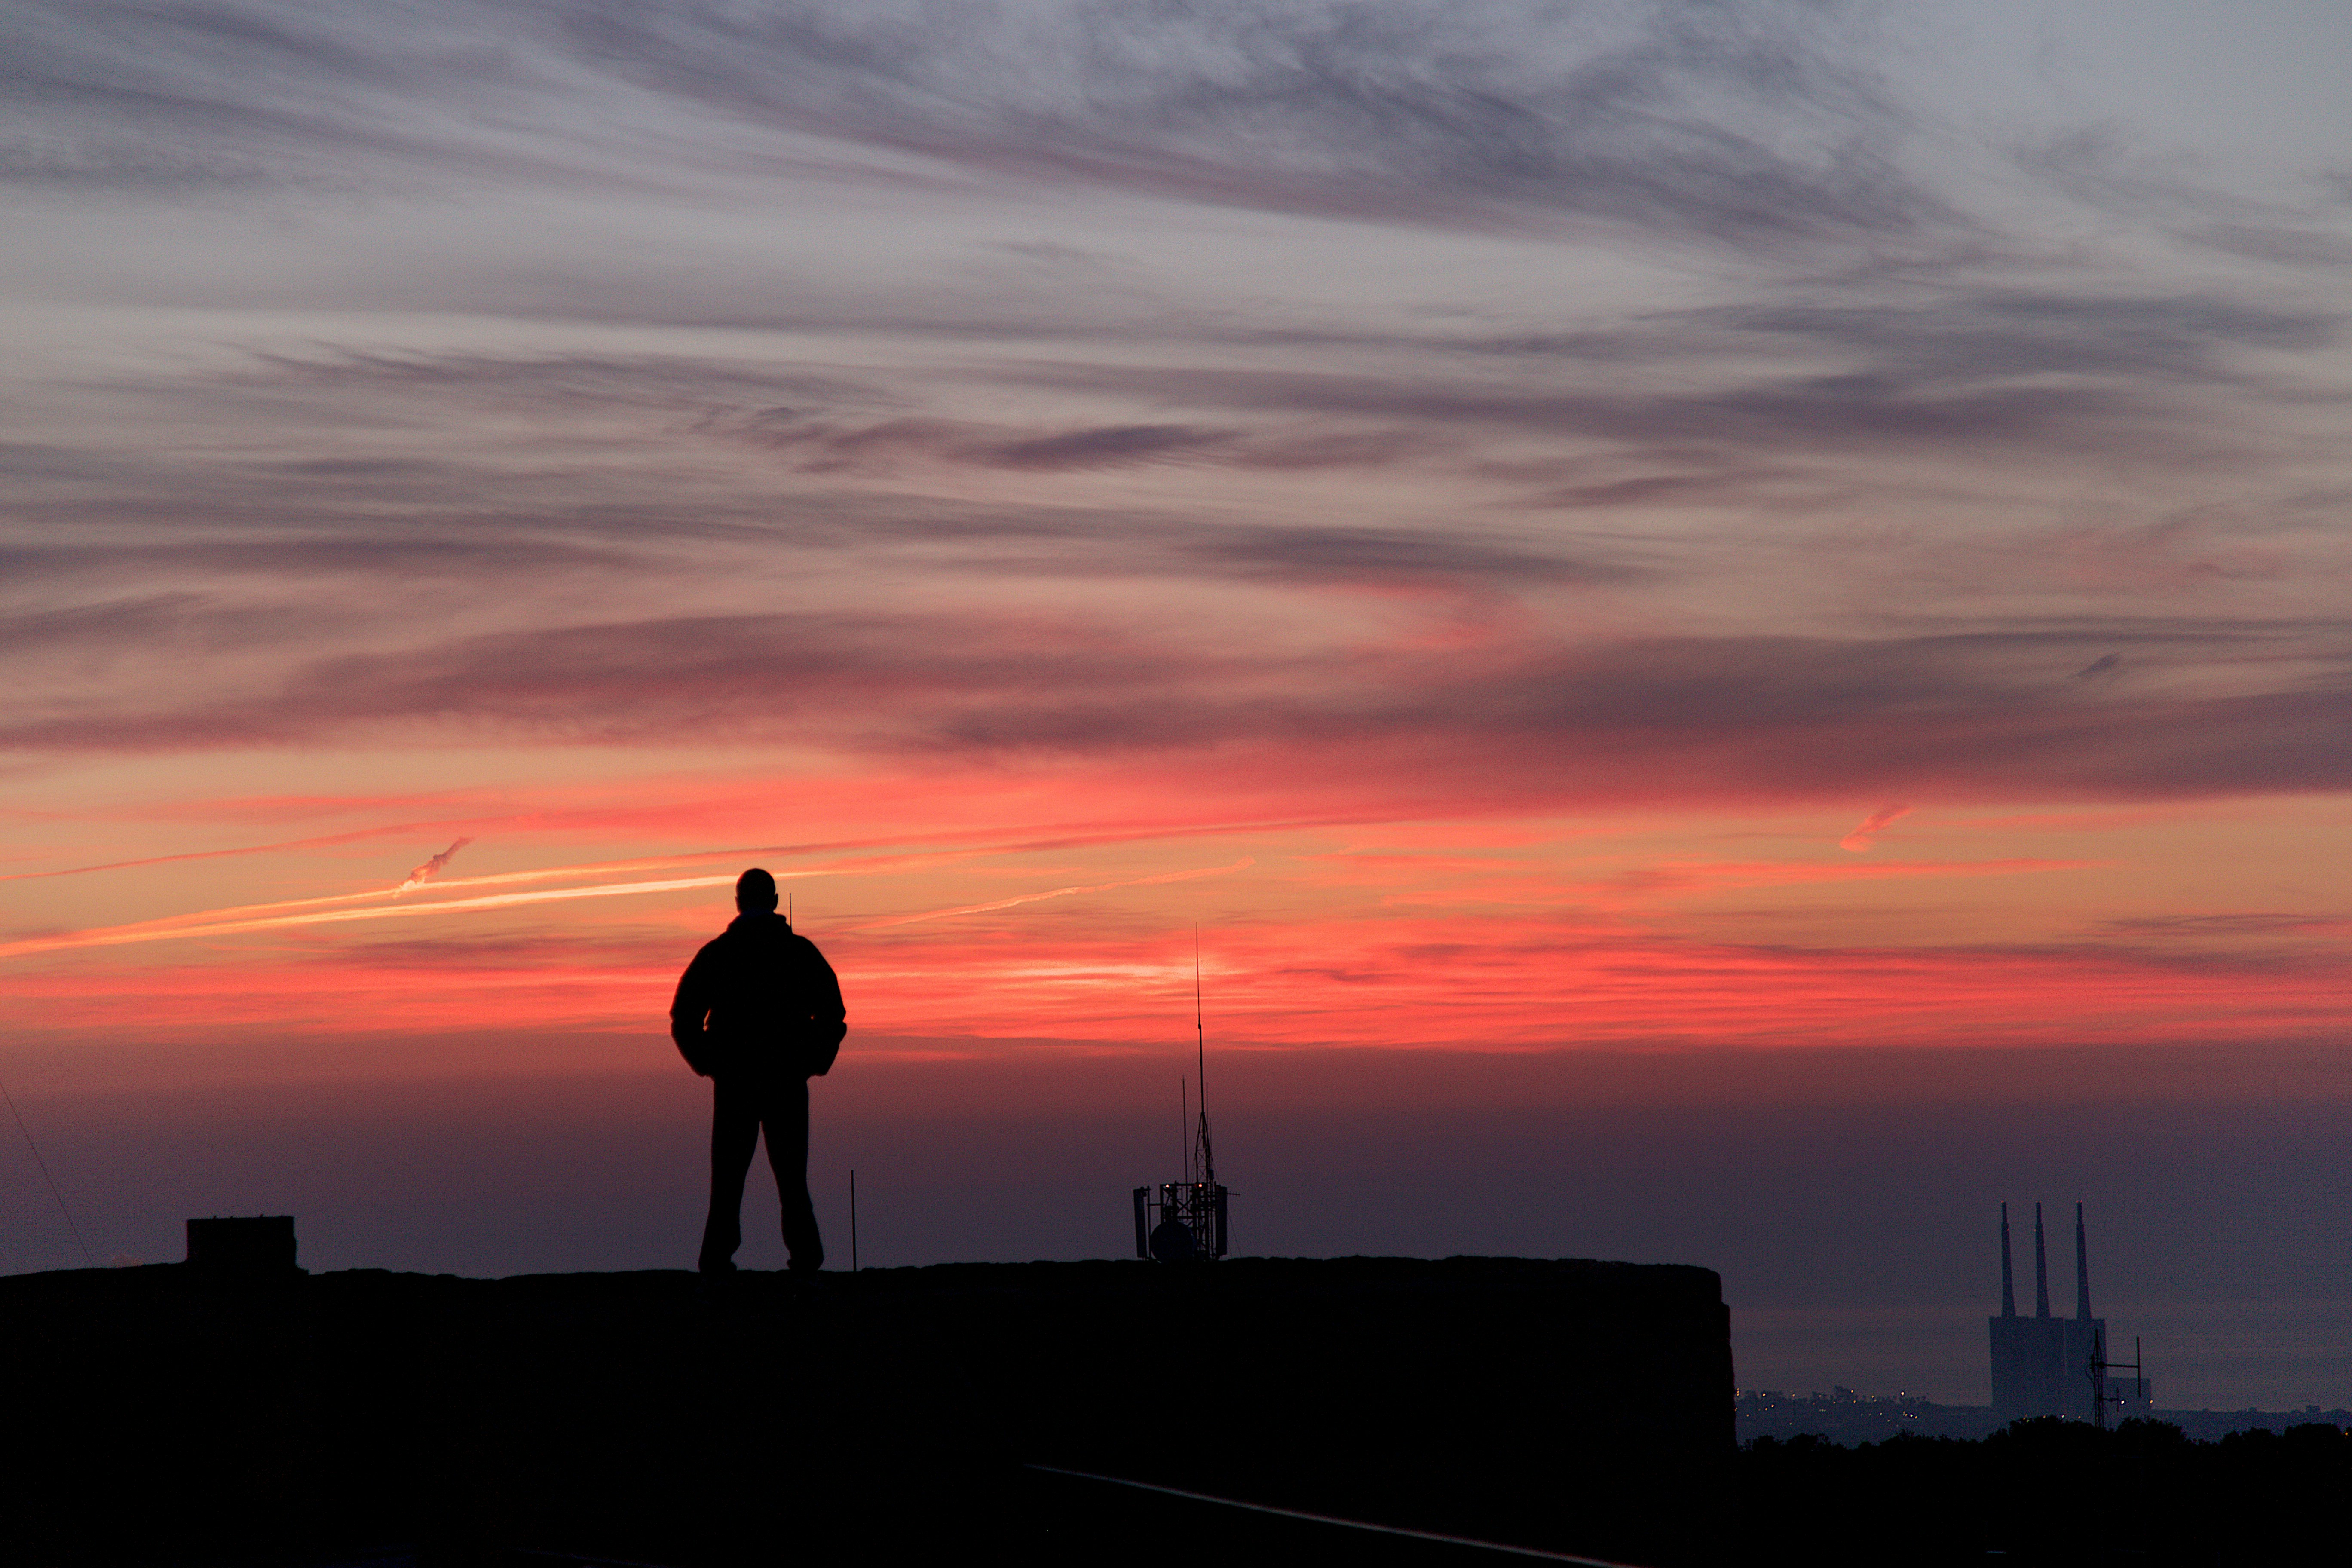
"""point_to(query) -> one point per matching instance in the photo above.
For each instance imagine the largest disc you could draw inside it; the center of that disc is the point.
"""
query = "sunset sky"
(1730, 620)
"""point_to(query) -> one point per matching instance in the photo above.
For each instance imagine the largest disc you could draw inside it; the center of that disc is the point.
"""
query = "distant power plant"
(2043, 1365)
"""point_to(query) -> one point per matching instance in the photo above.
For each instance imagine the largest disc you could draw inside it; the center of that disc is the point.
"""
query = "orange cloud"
(1867, 831)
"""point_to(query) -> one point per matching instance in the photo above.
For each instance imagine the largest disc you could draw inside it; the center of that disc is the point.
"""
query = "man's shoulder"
(749, 937)
(806, 948)
(716, 948)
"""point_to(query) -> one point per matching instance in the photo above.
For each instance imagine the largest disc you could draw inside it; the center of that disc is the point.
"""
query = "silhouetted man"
(759, 1013)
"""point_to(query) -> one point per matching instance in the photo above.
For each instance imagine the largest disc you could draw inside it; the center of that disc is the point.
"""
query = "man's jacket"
(759, 999)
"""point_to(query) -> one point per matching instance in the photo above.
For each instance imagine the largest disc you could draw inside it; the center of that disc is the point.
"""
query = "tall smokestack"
(2008, 1279)
(2040, 1268)
(2081, 1268)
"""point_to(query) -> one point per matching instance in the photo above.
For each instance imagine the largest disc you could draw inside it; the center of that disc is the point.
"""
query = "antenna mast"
(1184, 1222)
(1208, 1162)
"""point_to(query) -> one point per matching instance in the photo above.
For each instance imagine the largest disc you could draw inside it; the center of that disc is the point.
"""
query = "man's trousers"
(742, 1106)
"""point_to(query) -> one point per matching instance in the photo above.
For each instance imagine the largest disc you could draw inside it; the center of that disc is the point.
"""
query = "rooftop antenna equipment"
(1189, 1223)
(2100, 1366)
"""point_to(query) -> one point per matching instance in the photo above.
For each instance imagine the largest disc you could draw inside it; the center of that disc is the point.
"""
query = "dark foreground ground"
(2050, 1491)
(160, 1416)
(155, 1416)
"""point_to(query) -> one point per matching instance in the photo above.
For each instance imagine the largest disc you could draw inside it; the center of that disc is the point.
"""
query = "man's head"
(755, 893)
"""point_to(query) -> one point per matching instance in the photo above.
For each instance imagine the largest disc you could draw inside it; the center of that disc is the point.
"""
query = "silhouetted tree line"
(2050, 1491)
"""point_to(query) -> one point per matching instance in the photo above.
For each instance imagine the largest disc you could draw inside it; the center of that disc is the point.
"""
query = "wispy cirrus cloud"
(1479, 113)
(1683, 120)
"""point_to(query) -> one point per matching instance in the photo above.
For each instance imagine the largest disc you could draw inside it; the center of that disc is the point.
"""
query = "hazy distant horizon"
(1853, 1217)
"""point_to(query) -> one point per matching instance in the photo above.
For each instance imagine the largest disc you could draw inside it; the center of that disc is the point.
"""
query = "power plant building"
(2043, 1365)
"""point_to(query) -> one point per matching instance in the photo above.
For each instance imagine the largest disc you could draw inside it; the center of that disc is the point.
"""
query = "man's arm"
(828, 1018)
(687, 1011)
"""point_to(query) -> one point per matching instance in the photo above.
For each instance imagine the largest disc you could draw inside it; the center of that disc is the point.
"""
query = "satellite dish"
(1171, 1241)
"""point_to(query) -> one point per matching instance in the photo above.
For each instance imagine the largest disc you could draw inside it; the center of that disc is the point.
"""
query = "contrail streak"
(271, 916)
(283, 912)
(433, 865)
(318, 843)
(191, 925)
(1241, 865)
(1064, 835)
(307, 912)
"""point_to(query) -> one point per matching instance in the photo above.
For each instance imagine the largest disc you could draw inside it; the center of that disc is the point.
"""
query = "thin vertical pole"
(1203, 1153)
(1184, 1128)
(853, 1219)
(1199, 1039)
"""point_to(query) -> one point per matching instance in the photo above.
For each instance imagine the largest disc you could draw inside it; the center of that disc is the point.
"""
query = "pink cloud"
(1865, 832)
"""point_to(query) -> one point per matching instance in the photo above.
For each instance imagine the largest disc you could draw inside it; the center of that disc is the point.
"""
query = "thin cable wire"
(1469, 1540)
(43, 1164)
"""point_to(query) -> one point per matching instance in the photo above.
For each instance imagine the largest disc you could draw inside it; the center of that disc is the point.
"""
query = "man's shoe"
(717, 1266)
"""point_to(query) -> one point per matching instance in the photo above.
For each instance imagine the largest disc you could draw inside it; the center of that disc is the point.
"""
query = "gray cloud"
(819, 444)
(377, 475)
(1997, 332)
(102, 626)
(664, 381)
(2286, 245)
(1360, 554)
(1823, 413)
(1105, 446)
(1751, 125)
(150, 625)
(1935, 718)
(1686, 118)
(2054, 375)
(2128, 175)
(1726, 484)
(354, 546)
(159, 97)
